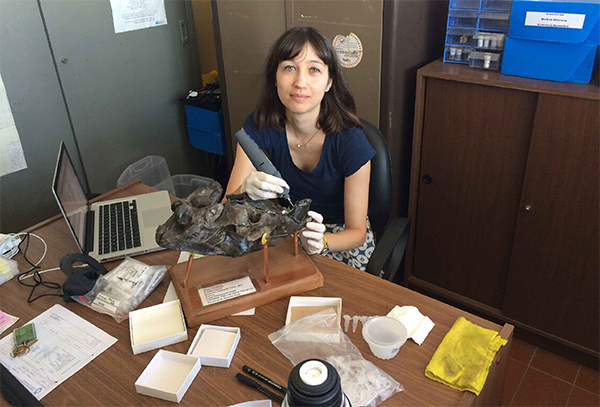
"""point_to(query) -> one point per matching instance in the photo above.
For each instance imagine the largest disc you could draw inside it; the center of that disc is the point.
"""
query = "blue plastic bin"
(553, 61)
(568, 21)
(205, 129)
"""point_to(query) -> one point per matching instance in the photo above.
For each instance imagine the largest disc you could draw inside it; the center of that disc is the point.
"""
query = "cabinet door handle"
(527, 208)
(183, 32)
(427, 179)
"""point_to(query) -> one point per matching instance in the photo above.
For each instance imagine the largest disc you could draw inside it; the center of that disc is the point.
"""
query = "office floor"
(536, 377)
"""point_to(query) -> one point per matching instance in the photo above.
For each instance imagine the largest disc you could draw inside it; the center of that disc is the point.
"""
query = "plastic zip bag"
(122, 289)
(8, 269)
(318, 336)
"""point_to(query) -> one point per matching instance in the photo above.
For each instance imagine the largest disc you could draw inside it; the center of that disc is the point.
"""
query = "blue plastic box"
(568, 21)
(205, 129)
(549, 60)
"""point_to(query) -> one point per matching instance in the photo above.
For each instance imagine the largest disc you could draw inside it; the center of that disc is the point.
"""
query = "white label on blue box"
(226, 291)
(554, 20)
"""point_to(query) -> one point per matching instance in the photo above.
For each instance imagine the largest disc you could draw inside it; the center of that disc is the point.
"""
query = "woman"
(306, 122)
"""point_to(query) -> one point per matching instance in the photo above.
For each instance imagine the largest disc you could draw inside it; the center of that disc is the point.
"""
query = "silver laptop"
(108, 230)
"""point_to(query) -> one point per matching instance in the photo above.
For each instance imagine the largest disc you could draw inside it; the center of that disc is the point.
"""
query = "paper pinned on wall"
(12, 158)
(349, 49)
(130, 15)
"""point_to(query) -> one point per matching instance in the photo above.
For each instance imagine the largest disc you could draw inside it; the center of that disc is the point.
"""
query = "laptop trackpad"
(155, 217)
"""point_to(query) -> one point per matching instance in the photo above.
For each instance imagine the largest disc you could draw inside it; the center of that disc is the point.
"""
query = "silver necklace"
(301, 147)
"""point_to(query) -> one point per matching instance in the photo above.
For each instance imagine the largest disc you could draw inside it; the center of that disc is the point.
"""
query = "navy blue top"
(343, 154)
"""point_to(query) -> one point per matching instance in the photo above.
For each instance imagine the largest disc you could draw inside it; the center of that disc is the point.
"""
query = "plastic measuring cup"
(385, 336)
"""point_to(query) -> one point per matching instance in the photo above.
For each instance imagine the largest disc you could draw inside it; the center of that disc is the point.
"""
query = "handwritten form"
(12, 158)
(129, 15)
(66, 343)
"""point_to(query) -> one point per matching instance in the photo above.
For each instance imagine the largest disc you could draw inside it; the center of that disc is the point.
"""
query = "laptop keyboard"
(119, 227)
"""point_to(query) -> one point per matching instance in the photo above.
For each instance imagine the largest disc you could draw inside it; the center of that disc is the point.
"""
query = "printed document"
(130, 15)
(226, 291)
(12, 158)
(66, 343)
(6, 321)
(172, 295)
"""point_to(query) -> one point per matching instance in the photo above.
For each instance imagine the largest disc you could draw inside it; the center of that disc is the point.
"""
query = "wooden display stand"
(288, 272)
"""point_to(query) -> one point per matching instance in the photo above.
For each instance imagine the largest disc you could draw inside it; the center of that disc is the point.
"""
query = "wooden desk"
(109, 379)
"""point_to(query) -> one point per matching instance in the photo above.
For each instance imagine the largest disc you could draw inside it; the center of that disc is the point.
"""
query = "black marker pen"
(252, 383)
(265, 379)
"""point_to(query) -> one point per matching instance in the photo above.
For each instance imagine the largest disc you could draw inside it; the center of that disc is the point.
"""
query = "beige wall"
(248, 28)
(205, 35)
(342, 17)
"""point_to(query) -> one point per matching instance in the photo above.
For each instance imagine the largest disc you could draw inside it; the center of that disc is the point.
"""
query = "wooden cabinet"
(504, 199)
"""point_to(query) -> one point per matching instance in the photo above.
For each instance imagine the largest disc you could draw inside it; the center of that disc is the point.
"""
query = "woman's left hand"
(312, 236)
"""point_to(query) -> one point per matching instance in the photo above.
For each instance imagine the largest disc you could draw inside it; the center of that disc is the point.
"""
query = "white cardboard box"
(168, 375)
(157, 326)
(333, 302)
(222, 350)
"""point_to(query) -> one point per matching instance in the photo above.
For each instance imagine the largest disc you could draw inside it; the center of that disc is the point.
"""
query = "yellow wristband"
(325, 248)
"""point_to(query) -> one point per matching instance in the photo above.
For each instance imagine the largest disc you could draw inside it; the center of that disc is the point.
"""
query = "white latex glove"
(260, 185)
(312, 236)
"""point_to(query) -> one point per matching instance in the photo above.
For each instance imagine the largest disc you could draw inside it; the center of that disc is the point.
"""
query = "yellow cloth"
(463, 359)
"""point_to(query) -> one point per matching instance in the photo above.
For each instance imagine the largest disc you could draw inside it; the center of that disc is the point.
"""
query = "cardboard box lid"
(156, 326)
(218, 360)
(318, 303)
(168, 375)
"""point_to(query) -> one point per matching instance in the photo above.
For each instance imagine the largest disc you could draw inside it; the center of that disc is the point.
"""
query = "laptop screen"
(70, 196)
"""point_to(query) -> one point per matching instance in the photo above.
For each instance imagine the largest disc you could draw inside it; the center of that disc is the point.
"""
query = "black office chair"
(391, 242)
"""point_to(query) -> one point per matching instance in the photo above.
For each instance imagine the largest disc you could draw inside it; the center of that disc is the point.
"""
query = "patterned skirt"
(358, 257)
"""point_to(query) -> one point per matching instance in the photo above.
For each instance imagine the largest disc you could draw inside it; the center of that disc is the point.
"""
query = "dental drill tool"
(260, 160)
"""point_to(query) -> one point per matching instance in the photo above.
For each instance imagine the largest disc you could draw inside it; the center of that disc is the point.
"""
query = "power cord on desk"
(52, 269)
(37, 278)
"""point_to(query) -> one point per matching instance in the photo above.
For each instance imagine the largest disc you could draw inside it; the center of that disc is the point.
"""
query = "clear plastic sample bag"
(318, 336)
(122, 289)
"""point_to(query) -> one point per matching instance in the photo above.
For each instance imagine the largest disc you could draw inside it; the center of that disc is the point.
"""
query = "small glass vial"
(315, 383)
(487, 58)
(459, 54)
(452, 53)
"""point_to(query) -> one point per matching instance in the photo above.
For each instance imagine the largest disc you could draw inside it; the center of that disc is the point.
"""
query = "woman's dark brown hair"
(338, 109)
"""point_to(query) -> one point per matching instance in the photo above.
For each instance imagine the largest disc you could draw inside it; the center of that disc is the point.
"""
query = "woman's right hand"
(260, 185)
